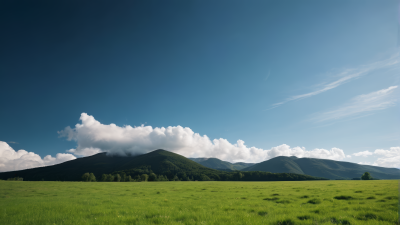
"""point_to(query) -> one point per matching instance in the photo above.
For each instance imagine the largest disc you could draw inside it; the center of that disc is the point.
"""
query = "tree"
(204, 177)
(104, 177)
(176, 178)
(137, 178)
(366, 176)
(110, 177)
(162, 178)
(85, 177)
(129, 178)
(92, 177)
(152, 177)
(144, 177)
(238, 175)
(117, 177)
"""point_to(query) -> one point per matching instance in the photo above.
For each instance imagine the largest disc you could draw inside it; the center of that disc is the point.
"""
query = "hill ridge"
(215, 163)
(327, 168)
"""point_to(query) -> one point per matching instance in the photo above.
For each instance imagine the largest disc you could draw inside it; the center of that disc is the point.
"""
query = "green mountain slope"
(218, 164)
(159, 161)
(322, 168)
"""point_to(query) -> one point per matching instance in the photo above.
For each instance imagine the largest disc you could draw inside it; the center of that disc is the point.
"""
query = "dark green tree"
(117, 177)
(86, 177)
(104, 177)
(152, 177)
(110, 177)
(144, 177)
(137, 178)
(366, 176)
(204, 177)
(92, 177)
(238, 175)
(162, 178)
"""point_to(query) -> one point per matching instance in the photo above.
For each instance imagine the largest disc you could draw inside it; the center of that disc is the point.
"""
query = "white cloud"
(85, 151)
(365, 103)
(389, 162)
(393, 152)
(364, 153)
(11, 160)
(346, 76)
(92, 137)
(368, 163)
(388, 158)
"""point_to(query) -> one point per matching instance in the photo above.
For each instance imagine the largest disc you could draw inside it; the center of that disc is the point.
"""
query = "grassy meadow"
(292, 202)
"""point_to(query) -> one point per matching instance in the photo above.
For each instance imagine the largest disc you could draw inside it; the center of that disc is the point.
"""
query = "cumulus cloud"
(360, 105)
(364, 153)
(11, 160)
(93, 137)
(385, 158)
(368, 163)
(388, 158)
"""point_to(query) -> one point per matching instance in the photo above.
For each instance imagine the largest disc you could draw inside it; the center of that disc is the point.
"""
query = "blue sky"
(312, 74)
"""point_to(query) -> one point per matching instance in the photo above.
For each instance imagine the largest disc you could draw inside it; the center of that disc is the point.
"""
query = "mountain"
(323, 168)
(218, 164)
(159, 161)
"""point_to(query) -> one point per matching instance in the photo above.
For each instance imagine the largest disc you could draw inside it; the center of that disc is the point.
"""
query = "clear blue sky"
(265, 72)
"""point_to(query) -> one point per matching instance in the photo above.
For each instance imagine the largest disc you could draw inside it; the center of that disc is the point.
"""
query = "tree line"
(146, 174)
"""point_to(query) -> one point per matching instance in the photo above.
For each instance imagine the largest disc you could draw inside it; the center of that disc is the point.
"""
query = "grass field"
(302, 202)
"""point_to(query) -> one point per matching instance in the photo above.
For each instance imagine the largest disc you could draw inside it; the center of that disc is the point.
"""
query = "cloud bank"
(93, 137)
(386, 158)
(11, 160)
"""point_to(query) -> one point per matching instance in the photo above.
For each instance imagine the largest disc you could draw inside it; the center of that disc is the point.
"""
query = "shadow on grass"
(343, 197)
(314, 201)
(285, 222)
(340, 221)
(306, 217)
(262, 213)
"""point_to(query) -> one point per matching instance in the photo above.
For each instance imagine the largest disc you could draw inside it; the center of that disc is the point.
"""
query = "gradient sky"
(313, 74)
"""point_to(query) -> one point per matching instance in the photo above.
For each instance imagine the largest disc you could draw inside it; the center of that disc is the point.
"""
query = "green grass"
(294, 202)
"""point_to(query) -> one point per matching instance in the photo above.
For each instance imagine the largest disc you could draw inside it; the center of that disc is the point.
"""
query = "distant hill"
(160, 162)
(323, 168)
(218, 164)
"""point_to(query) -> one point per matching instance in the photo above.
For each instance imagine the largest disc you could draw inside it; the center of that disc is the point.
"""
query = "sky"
(242, 81)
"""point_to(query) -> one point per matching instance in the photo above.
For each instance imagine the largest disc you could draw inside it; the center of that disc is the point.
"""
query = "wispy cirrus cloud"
(360, 105)
(344, 77)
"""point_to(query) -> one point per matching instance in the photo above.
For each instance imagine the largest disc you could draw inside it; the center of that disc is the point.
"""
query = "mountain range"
(218, 164)
(170, 165)
(330, 169)
(159, 161)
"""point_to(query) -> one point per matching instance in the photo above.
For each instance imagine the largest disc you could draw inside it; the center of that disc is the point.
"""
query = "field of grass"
(293, 202)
